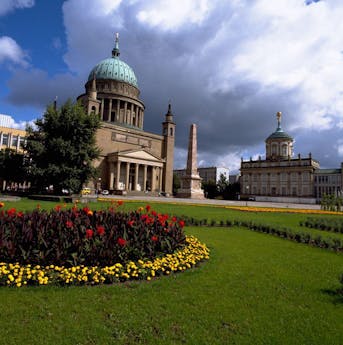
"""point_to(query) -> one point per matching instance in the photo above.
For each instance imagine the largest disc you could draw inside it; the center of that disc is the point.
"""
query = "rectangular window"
(5, 139)
(14, 141)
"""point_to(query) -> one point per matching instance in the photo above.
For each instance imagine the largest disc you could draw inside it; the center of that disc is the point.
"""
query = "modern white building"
(6, 121)
(207, 174)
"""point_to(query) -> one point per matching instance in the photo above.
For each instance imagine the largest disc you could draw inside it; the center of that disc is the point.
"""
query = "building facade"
(12, 138)
(328, 182)
(279, 176)
(207, 174)
(131, 159)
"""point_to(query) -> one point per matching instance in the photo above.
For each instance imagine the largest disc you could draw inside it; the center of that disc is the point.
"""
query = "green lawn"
(255, 289)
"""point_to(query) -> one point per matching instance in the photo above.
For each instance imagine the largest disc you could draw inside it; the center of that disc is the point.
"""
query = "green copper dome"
(279, 133)
(114, 68)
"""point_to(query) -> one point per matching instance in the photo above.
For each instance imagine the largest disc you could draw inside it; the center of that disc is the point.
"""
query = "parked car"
(105, 192)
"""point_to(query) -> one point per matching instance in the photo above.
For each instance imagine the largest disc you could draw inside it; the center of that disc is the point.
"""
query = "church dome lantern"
(114, 68)
(279, 145)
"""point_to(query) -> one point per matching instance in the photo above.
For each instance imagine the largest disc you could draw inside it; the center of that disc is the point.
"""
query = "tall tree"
(11, 166)
(62, 147)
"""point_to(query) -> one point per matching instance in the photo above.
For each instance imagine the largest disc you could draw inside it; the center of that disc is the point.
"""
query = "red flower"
(86, 209)
(120, 202)
(181, 223)
(122, 242)
(100, 230)
(154, 238)
(20, 214)
(11, 212)
(147, 207)
(154, 213)
(89, 233)
(130, 222)
(58, 208)
(69, 224)
(174, 219)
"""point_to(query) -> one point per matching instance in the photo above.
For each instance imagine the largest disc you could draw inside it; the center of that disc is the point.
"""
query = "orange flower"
(90, 213)
(2, 204)
(120, 202)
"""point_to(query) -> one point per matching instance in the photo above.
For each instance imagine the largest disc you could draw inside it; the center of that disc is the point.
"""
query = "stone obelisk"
(191, 181)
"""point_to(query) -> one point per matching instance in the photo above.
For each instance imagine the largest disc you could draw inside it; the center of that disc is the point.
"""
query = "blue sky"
(226, 65)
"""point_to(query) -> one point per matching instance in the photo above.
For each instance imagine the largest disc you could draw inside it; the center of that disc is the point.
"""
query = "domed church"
(131, 159)
(279, 177)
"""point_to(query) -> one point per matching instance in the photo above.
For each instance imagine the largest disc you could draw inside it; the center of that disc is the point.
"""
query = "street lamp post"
(247, 189)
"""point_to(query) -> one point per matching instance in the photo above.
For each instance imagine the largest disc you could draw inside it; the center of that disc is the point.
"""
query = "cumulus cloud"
(11, 51)
(35, 87)
(171, 15)
(227, 66)
(10, 5)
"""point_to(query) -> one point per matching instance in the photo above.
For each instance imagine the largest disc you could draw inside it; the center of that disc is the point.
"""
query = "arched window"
(274, 149)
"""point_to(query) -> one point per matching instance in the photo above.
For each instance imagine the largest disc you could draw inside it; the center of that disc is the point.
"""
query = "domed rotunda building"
(131, 159)
(279, 177)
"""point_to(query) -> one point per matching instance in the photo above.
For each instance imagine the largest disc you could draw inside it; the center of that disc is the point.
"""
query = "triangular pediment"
(141, 154)
(138, 154)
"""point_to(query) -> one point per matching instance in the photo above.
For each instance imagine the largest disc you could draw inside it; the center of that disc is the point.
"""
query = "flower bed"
(284, 210)
(20, 275)
(81, 246)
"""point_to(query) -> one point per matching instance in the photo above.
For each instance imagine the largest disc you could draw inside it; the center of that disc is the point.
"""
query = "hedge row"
(327, 224)
(335, 244)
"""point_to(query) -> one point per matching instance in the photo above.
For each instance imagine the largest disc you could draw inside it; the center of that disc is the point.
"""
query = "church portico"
(135, 171)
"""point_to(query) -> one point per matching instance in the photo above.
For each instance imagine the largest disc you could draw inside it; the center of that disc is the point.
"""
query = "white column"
(136, 176)
(153, 179)
(111, 175)
(109, 110)
(118, 110)
(132, 110)
(160, 179)
(125, 112)
(117, 175)
(102, 109)
(127, 176)
(145, 176)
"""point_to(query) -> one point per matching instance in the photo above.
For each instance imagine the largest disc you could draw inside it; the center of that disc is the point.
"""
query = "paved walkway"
(215, 202)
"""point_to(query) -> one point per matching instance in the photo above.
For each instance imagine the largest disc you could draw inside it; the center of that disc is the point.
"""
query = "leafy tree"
(60, 151)
(176, 183)
(331, 202)
(11, 166)
(210, 189)
(222, 184)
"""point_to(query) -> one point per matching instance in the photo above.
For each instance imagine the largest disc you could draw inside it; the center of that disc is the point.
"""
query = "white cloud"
(171, 15)
(294, 46)
(339, 147)
(11, 51)
(95, 25)
(10, 5)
